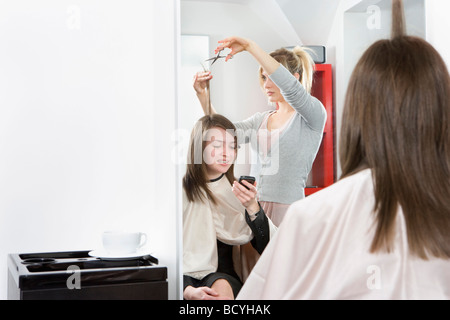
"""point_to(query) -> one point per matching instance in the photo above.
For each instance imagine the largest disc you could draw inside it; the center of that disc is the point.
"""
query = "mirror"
(346, 28)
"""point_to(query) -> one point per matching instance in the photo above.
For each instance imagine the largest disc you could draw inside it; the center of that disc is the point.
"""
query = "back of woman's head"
(195, 180)
(298, 61)
(396, 122)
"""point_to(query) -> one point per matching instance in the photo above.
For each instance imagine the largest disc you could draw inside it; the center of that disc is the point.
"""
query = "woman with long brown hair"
(219, 214)
(383, 230)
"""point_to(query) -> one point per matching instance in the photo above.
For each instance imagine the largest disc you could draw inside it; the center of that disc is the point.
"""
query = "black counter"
(77, 276)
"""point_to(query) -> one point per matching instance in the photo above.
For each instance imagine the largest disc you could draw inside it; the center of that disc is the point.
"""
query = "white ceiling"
(311, 20)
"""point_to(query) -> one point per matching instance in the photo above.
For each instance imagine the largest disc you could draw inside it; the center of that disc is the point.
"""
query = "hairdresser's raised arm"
(200, 86)
(237, 44)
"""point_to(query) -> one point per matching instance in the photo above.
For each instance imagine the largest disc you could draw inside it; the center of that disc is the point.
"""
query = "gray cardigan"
(281, 176)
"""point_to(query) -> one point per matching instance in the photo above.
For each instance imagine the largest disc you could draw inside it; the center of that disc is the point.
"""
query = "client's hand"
(201, 293)
(246, 196)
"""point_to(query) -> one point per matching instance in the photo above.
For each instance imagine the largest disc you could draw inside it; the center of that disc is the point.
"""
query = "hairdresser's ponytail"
(398, 19)
(307, 67)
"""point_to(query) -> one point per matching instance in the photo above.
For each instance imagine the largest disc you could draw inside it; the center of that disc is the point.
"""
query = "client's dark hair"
(396, 121)
(195, 180)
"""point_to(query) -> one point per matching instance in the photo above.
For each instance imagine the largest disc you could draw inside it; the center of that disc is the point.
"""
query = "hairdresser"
(286, 140)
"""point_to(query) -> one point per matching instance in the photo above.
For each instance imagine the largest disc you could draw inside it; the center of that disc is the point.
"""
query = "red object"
(322, 173)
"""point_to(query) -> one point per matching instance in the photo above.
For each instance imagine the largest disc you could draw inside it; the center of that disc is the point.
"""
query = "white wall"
(87, 109)
(438, 26)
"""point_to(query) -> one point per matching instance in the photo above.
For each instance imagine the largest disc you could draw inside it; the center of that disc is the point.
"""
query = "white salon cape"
(321, 251)
(204, 223)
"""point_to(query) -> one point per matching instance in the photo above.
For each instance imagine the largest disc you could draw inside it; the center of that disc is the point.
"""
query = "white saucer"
(104, 255)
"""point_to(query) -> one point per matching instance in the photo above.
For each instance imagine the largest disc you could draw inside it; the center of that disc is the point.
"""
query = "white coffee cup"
(123, 242)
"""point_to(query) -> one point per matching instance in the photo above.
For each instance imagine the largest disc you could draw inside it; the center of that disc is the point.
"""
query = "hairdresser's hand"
(236, 44)
(200, 80)
(201, 293)
(246, 197)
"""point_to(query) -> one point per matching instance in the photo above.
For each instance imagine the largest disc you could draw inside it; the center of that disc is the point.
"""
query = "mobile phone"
(249, 179)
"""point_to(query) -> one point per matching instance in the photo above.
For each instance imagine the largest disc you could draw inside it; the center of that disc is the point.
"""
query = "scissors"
(216, 57)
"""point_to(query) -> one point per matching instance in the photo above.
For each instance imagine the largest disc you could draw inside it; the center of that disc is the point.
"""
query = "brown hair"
(396, 122)
(298, 61)
(195, 180)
